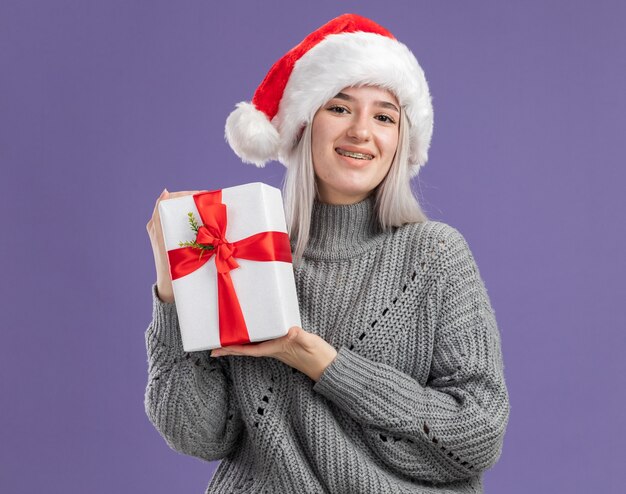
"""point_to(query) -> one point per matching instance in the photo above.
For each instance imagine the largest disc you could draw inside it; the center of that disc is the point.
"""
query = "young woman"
(395, 382)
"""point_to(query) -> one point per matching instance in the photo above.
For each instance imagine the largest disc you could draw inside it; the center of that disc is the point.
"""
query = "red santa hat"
(350, 50)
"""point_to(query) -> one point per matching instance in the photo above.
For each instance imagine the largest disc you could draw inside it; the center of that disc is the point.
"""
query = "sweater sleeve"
(188, 397)
(453, 427)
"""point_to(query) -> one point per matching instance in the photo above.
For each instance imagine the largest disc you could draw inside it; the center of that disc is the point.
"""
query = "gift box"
(231, 266)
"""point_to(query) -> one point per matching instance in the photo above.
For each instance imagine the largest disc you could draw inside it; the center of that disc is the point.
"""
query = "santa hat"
(350, 50)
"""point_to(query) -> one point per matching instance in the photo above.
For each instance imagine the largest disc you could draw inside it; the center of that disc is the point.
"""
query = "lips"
(354, 154)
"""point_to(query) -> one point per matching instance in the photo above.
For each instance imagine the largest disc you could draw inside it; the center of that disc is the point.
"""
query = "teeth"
(359, 156)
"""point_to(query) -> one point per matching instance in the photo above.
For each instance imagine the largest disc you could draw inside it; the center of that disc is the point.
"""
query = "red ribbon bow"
(264, 246)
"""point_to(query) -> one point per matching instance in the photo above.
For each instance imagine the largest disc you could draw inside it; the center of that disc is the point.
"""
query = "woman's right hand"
(155, 232)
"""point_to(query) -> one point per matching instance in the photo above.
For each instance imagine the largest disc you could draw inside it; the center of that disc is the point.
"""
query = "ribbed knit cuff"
(165, 327)
(344, 381)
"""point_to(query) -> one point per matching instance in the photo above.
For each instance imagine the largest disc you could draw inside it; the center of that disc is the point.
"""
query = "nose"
(359, 129)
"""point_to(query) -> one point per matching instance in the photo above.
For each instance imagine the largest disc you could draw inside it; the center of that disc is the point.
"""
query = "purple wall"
(103, 104)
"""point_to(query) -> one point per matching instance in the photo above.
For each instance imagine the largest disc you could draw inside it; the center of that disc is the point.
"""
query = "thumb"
(293, 334)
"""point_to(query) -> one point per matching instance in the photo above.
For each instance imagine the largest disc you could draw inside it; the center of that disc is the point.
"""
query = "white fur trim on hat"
(251, 135)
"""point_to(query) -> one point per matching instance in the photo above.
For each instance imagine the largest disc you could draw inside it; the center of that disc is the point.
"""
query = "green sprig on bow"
(194, 244)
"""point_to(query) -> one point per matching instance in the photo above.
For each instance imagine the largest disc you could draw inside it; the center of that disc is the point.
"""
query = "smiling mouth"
(349, 154)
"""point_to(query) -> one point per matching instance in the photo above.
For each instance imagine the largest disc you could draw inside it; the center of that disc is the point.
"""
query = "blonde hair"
(395, 203)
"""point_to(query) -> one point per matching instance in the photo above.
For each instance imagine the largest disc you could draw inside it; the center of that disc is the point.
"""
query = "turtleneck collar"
(343, 231)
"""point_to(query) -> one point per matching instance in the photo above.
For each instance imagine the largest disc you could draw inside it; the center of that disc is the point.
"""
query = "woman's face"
(354, 138)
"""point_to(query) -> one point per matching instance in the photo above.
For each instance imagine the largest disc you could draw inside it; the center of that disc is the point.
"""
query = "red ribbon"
(264, 246)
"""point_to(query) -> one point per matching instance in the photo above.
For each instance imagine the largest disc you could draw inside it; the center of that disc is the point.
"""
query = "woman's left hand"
(299, 349)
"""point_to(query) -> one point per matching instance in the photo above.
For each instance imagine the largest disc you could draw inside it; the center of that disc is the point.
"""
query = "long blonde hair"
(395, 203)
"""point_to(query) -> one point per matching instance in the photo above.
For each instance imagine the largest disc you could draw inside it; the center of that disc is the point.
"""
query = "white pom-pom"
(251, 135)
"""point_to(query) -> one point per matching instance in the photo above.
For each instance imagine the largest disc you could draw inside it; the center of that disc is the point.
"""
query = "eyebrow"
(381, 104)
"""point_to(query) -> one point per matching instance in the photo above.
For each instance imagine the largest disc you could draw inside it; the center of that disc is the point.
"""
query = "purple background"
(103, 104)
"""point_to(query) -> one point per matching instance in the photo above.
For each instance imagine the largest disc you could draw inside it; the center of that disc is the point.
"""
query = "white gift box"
(266, 290)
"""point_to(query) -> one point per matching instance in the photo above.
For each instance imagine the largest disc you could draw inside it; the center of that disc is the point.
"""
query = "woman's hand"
(307, 352)
(155, 232)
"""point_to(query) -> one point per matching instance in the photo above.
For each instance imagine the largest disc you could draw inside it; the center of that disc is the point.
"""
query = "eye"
(337, 109)
(385, 118)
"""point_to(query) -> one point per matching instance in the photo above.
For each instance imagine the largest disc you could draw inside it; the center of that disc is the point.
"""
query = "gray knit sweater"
(415, 401)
